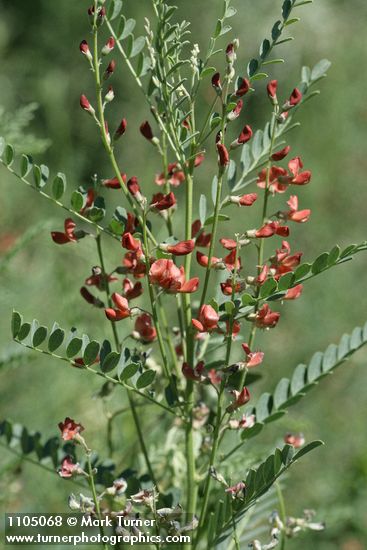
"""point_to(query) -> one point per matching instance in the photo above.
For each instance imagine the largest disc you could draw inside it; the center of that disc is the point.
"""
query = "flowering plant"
(197, 375)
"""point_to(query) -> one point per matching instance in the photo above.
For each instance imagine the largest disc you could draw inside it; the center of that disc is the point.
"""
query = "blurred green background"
(40, 63)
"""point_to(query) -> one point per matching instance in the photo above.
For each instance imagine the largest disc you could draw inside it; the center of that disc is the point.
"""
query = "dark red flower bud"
(110, 44)
(295, 97)
(84, 103)
(110, 69)
(84, 48)
(272, 90)
(146, 130)
(243, 86)
(216, 82)
(163, 202)
(121, 129)
(280, 155)
(88, 297)
(133, 185)
(223, 154)
(114, 183)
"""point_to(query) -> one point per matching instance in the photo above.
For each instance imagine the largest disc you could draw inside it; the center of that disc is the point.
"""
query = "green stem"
(283, 513)
(95, 497)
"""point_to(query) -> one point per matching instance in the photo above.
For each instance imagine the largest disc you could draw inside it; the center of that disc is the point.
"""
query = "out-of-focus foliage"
(40, 62)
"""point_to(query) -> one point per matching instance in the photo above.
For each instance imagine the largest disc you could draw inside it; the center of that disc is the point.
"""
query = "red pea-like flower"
(171, 278)
(235, 113)
(110, 69)
(239, 399)
(227, 287)
(131, 290)
(109, 46)
(299, 178)
(207, 320)
(130, 243)
(296, 440)
(90, 299)
(201, 238)
(216, 83)
(121, 129)
(68, 468)
(266, 318)
(175, 175)
(283, 262)
(68, 236)
(272, 90)
(134, 187)
(84, 48)
(114, 183)
(253, 358)
(281, 154)
(244, 200)
(293, 293)
(278, 179)
(181, 248)
(243, 87)
(295, 97)
(243, 138)
(261, 278)
(122, 310)
(268, 230)
(232, 261)
(145, 329)
(146, 131)
(203, 260)
(223, 155)
(195, 374)
(161, 202)
(69, 429)
(84, 103)
(295, 215)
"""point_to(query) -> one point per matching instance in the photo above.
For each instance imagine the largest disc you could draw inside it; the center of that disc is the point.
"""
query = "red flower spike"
(122, 309)
(146, 131)
(171, 278)
(161, 202)
(121, 129)
(243, 87)
(84, 103)
(69, 429)
(145, 329)
(223, 155)
(235, 113)
(181, 248)
(240, 399)
(293, 293)
(114, 183)
(266, 318)
(110, 44)
(280, 155)
(68, 235)
(84, 48)
(272, 91)
(208, 319)
(131, 290)
(194, 374)
(296, 440)
(253, 359)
